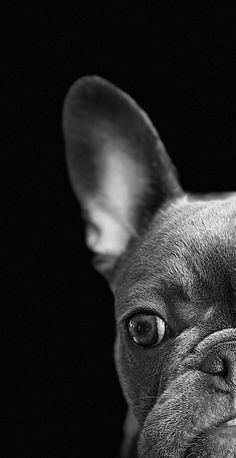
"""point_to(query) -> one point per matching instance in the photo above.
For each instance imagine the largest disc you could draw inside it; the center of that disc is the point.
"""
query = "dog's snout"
(220, 363)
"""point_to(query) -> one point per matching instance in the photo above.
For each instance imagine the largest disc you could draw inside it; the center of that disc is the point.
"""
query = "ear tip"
(91, 94)
(87, 80)
(86, 88)
(83, 83)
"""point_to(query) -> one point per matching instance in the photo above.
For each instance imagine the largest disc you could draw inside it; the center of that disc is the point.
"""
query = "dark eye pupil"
(143, 329)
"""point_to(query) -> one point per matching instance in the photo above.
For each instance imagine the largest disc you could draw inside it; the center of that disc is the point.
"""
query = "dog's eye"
(146, 330)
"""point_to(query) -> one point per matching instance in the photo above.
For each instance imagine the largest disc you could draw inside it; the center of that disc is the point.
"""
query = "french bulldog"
(170, 259)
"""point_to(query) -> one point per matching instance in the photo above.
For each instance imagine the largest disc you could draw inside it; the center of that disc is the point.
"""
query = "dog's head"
(170, 260)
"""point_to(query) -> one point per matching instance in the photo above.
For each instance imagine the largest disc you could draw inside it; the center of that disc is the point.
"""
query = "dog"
(170, 260)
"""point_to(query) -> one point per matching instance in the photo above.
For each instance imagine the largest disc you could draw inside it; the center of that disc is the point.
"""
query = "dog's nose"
(221, 364)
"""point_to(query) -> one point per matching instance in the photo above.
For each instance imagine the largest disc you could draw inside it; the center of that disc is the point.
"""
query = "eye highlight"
(146, 330)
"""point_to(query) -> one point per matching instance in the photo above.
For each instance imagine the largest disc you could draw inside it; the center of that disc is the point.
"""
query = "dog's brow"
(177, 291)
(139, 296)
(154, 289)
(153, 296)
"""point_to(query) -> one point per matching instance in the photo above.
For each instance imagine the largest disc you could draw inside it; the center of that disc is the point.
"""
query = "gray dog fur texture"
(164, 252)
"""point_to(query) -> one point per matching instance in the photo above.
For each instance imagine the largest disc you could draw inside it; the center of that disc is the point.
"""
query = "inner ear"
(111, 213)
(118, 166)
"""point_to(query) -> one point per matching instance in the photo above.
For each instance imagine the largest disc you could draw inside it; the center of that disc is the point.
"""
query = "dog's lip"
(227, 423)
(226, 429)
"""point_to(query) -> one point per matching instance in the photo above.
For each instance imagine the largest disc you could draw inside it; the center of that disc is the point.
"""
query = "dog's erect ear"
(117, 164)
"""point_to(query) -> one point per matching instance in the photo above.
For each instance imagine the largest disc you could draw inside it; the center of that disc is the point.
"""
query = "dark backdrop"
(58, 327)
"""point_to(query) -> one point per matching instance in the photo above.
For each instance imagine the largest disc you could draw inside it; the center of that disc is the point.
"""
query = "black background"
(58, 326)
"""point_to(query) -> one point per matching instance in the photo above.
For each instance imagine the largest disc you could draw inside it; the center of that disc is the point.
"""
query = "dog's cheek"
(122, 364)
(139, 380)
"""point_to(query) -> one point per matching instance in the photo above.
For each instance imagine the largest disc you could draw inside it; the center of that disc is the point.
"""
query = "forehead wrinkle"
(187, 254)
(190, 247)
(154, 293)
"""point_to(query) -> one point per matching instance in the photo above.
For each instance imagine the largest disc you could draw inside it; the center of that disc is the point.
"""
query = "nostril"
(215, 365)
